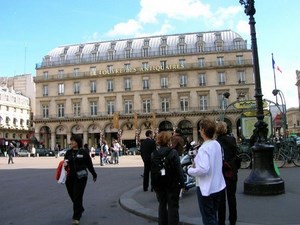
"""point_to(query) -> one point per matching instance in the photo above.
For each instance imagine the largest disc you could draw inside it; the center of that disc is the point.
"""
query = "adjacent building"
(15, 112)
(118, 89)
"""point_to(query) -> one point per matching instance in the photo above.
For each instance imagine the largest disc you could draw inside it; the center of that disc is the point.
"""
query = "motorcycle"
(186, 161)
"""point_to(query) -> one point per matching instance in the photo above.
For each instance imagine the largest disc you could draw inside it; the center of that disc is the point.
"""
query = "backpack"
(161, 169)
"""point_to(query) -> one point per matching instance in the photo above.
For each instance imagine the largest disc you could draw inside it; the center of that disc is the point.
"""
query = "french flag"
(274, 65)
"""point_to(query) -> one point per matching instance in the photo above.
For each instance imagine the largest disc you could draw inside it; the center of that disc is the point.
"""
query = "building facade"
(15, 120)
(119, 89)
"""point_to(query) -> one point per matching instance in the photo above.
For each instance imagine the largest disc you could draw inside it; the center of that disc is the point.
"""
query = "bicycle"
(244, 155)
(286, 151)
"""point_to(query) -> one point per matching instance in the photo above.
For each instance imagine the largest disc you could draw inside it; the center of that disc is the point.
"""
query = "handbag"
(81, 174)
(63, 176)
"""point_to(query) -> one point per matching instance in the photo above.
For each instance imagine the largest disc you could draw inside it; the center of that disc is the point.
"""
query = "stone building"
(15, 111)
(118, 89)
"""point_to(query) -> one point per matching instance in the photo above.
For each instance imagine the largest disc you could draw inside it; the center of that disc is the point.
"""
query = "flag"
(275, 66)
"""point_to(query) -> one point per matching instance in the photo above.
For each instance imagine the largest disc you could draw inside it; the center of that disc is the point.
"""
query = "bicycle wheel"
(279, 160)
(296, 158)
(246, 160)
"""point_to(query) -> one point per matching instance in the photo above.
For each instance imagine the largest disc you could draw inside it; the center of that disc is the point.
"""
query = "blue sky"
(29, 29)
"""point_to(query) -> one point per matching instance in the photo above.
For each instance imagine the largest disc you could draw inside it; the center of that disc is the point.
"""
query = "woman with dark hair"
(77, 161)
(229, 146)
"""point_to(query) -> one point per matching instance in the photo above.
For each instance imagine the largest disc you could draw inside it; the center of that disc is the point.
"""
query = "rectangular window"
(203, 102)
(163, 64)
(76, 88)
(145, 66)
(60, 110)
(60, 74)
(127, 67)
(128, 106)
(94, 56)
(110, 107)
(45, 111)
(93, 86)
(110, 86)
(76, 109)
(145, 52)
(61, 89)
(220, 61)
(241, 77)
(146, 105)
(110, 68)
(45, 90)
(111, 55)
(184, 104)
(163, 50)
(165, 105)
(93, 70)
(222, 102)
(127, 84)
(182, 63)
(145, 83)
(239, 60)
(127, 54)
(45, 75)
(202, 81)
(164, 82)
(93, 108)
(221, 78)
(181, 49)
(200, 47)
(201, 62)
(76, 72)
(183, 80)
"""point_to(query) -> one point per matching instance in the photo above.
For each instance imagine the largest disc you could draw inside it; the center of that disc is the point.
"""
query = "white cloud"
(174, 9)
(129, 28)
(243, 27)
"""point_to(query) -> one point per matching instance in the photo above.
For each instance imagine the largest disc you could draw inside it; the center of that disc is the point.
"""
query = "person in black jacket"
(168, 194)
(229, 146)
(77, 160)
(147, 147)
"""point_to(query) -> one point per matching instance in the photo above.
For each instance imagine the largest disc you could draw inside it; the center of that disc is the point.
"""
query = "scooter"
(186, 161)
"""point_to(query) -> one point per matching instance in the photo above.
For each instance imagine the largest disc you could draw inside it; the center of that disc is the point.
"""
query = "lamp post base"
(263, 179)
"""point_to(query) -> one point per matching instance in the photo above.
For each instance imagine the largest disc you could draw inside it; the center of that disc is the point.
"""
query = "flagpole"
(273, 65)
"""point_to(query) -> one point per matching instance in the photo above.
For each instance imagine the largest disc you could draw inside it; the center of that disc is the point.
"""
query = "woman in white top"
(207, 169)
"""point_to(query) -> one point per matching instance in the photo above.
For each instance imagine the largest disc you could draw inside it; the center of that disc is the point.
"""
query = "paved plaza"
(252, 210)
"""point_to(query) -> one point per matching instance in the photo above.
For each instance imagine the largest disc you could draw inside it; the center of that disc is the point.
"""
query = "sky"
(29, 29)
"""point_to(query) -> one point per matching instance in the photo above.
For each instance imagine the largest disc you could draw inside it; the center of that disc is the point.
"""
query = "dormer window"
(163, 40)
(112, 45)
(66, 50)
(199, 37)
(80, 48)
(181, 39)
(96, 47)
(146, 42)
(129, 44)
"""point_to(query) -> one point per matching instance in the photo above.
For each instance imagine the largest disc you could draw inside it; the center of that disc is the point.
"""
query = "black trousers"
(230, 192)
(168, 209)
(147, 169)
(75, 188)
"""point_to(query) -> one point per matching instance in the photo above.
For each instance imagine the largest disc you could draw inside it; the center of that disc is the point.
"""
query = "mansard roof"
(153, 43)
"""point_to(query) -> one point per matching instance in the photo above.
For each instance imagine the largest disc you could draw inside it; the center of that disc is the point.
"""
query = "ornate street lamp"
(263, 180)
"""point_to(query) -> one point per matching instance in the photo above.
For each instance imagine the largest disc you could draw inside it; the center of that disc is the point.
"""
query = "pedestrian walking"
(207, 168)
(77, 161)
(11, 153)
(147, 147)
(229, 146)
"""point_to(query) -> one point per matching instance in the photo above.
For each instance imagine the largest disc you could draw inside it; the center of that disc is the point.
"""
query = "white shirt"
(208, 168)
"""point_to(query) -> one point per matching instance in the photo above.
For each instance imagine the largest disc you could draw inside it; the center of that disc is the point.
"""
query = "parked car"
(63, 152)
(298, 141)
(23, 152)
(133, 151)
(44, 152)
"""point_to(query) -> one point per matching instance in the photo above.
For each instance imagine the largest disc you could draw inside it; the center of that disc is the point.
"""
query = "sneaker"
(75, 221)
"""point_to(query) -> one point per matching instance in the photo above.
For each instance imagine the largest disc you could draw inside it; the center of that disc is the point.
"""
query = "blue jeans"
(208, 206)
